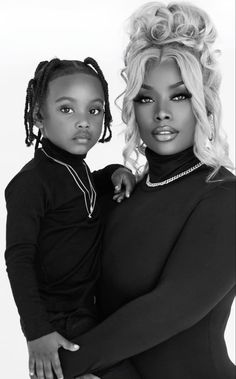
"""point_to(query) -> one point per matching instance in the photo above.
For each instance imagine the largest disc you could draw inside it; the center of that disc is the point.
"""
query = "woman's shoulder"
(221, 187)
(224, 175)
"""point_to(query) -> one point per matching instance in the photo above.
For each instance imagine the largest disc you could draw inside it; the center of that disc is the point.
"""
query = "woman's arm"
(199, 273)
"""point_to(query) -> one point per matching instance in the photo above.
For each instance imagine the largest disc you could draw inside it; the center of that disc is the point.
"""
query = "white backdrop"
(31, 31)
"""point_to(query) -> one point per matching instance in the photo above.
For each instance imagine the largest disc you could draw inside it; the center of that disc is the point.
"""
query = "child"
(54, 220)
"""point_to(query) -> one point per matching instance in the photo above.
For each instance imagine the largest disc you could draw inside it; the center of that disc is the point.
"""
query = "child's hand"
(87, 376)
(124, 183)
(44, 358)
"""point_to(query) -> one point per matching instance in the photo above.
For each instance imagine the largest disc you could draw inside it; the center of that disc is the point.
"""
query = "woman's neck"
(162, 167)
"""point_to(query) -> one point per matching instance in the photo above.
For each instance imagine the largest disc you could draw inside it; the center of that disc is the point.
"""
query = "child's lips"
(82, 137)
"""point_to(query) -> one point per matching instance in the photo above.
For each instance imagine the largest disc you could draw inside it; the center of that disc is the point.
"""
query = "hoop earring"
(211, 138)
(141, 148)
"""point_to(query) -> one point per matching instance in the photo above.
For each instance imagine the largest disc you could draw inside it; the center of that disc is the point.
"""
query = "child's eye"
(181, 96)
(95, 111)
(143, 99)
(65, 109)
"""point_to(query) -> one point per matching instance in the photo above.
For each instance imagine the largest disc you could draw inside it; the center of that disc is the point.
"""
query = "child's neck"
(58, 153)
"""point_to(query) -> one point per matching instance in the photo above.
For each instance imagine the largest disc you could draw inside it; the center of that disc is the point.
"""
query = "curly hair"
(186, 34)
(37, 88)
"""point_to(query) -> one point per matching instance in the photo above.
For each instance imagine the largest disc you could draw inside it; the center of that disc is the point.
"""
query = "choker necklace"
(91, 194)
(150, 184)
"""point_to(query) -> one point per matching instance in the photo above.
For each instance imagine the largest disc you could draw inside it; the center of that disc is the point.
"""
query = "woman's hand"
(124, 182)
(44, 358)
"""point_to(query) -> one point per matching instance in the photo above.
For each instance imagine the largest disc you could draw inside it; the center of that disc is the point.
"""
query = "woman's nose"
(162, 112)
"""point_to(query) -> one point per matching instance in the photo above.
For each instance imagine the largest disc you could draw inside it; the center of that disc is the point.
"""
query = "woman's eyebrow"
(176, 84)
(146, 86)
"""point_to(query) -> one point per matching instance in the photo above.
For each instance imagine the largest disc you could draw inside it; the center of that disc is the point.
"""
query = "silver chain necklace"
(91, 194)
(150, 184)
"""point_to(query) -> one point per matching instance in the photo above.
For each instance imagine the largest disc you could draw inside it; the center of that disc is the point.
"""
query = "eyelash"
(96, 109)
(63, 107)
(147, 100)
(185, 95)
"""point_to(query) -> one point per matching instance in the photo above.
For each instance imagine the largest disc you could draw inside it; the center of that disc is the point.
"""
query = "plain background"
(32, 31)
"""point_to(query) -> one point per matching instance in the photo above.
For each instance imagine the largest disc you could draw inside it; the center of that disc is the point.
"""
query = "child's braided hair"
(37, 88)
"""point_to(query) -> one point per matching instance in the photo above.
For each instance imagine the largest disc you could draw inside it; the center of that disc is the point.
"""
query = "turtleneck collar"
(162, 167)
(60, 154)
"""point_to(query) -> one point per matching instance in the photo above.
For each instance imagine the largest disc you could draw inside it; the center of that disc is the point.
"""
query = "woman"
(168, 265)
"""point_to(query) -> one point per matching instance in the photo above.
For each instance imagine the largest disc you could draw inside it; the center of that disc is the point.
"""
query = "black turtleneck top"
(53, 247)
(168, 277)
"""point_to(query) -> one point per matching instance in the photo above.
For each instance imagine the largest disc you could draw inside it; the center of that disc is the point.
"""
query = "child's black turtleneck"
(53, 247)
(168, 277)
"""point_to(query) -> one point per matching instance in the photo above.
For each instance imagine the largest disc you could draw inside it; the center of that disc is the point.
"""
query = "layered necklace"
(183, 173)
(89, 195)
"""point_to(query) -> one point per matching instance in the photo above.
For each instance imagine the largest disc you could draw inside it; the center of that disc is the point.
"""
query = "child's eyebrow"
(72, 99)
(63, 98)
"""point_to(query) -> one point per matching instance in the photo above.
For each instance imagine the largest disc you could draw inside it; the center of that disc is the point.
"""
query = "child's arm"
(124, 182)
(26, 206)
(27, 201)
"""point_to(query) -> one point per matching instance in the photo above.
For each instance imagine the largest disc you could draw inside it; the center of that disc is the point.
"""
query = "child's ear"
(38, 118)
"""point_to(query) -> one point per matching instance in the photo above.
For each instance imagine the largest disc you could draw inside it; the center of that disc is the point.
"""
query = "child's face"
(72, 114)
(163, 110)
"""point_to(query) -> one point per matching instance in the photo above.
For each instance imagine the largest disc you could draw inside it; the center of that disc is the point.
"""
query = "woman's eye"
(64, 109)
(95, 111)
(143, 99)
(181, 96)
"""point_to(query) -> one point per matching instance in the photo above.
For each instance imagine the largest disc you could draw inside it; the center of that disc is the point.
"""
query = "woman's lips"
(164, 133)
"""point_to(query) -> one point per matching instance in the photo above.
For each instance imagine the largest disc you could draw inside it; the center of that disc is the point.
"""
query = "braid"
(28, 114)
(37, 87)
(43, 82)
(34, 95)
(107, 116)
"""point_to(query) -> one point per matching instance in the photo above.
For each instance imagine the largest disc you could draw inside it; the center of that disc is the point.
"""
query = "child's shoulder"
(29, 176)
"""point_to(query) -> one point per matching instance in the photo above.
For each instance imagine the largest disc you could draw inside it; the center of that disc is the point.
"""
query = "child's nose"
(82, 123)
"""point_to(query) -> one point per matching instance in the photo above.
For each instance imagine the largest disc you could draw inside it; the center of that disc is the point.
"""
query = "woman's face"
(163, 110)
